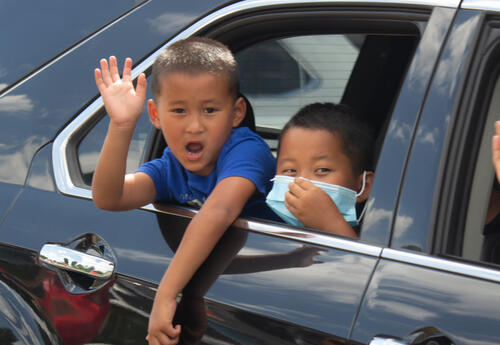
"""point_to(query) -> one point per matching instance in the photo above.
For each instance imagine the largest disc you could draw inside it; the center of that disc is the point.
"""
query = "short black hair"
(356, 136)
(195, 55)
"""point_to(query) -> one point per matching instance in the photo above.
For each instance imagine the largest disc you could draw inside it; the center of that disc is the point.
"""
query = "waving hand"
(123, 103)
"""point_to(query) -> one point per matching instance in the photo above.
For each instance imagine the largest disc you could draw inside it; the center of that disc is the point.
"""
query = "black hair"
(196, 55)
(338, 119)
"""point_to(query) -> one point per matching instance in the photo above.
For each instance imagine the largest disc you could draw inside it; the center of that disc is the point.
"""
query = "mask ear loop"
(360, 193)
(364, 183)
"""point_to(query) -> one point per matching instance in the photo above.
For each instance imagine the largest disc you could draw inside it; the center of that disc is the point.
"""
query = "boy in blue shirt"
(208, 162)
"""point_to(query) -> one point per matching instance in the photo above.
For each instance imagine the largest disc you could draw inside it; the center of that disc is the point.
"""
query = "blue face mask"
(344, 199)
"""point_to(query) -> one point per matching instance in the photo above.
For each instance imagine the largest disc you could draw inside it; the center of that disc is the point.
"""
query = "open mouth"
(194, 150)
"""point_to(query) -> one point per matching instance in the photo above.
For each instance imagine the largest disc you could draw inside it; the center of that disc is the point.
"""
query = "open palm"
(123, 103)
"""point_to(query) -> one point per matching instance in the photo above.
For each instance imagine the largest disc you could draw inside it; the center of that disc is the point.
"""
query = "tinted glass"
(281, 76)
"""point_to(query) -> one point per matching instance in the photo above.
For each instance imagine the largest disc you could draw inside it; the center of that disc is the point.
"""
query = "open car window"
(280, 73)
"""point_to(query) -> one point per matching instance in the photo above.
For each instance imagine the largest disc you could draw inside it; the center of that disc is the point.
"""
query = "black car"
(424, 73)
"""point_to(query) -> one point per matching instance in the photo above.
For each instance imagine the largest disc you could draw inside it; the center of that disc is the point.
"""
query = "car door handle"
(386, 341)
(76, 261)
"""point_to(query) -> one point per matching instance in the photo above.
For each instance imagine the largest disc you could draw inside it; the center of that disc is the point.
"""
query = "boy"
(208, 160)
(324, 143)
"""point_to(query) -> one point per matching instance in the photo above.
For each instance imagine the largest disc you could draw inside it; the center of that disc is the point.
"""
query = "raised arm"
(204, 231)
(111, 189)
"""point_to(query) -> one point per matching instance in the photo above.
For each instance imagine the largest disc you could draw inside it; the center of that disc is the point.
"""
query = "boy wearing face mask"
(323, 169)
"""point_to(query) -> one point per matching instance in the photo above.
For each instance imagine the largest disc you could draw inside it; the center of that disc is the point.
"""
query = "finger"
(290, 202)
(106, 78)
(295, 189)
(303, 183)
(173, 332)
(152, 340)
(127, 70)
(496, 143)
(159, 338)
(113, 69)
(141, 86)
(98, 79)
(497, 127)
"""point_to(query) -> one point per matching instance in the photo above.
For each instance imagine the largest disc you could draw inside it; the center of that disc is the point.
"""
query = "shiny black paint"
(34, 111)
(413, 224)
(69, 24)
(403, 298)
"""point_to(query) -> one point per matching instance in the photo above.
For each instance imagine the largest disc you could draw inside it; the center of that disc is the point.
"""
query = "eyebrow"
(286, 160)
(317, 158)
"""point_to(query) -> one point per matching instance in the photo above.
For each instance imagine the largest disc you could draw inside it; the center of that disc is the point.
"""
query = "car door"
(438, 282)
(265, 282)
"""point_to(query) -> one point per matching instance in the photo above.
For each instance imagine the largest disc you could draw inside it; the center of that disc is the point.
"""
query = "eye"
(322, 171)
(178, 110)
(289, 172)
(210, 110)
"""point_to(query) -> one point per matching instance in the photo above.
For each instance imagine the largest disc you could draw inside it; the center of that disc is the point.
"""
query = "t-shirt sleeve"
(158, 170)
(251, 159)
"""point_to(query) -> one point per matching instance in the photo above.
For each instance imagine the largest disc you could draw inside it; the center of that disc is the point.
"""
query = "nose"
(195, 124)
(305, 174)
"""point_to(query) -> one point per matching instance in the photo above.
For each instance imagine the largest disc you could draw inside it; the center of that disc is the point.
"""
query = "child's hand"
(495, 148)
(315, 209)
(312, 206)
(123, 103)
(160, 329)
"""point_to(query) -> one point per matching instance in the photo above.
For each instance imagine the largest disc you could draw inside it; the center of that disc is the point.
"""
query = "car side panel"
(256, 287)
(405, 298)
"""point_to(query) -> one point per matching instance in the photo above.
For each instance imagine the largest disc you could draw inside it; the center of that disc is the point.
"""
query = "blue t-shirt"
(245, 154)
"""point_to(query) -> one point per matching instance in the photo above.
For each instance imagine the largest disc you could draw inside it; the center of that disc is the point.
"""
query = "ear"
(368, 186)
(153, 113)
(240, 110)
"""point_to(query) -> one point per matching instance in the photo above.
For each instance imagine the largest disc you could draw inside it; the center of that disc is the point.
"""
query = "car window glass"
(481, 239)
(281, 76)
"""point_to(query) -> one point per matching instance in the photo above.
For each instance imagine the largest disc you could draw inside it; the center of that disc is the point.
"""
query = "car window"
(279, 76)
(481, 237)
(472, 229)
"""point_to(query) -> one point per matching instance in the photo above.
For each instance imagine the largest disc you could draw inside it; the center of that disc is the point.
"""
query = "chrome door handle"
(76, 261)
(386, 341)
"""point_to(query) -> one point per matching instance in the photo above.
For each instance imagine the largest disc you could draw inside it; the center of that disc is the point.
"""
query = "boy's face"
(196, 112)
(315, 154)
